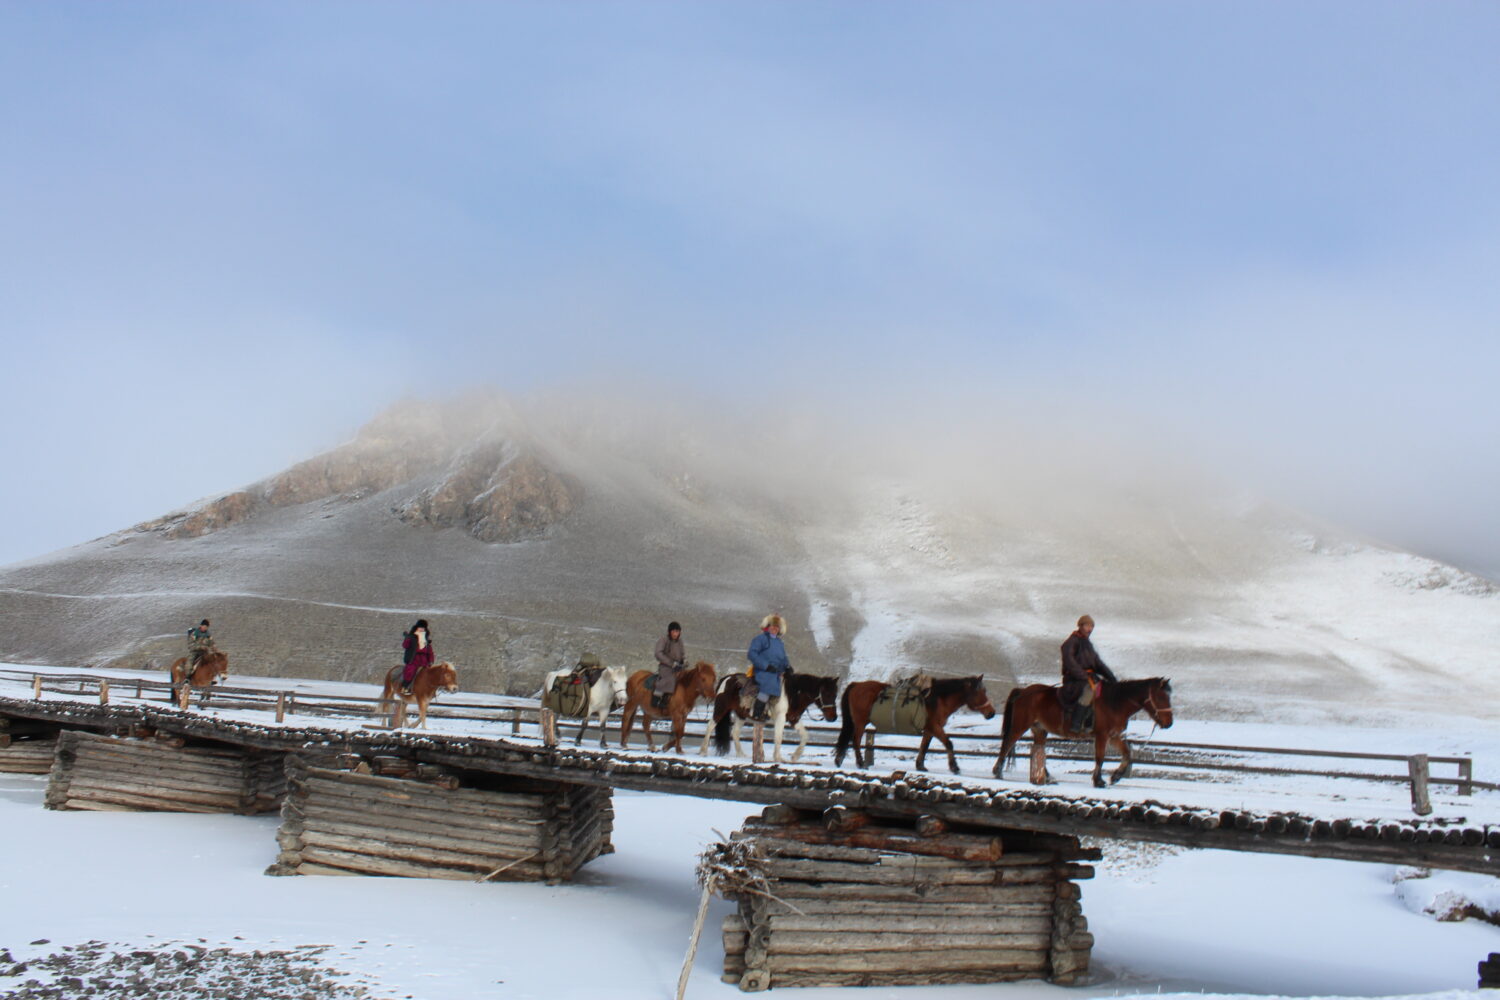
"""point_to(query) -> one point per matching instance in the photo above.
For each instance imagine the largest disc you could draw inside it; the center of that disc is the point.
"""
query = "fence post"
(548, 719)
(281, 707)
(36, 686)
(869, 747)
(1466, 776)
(400, 719)
(1417, 767)
(515, 720)
(183, 694)
(104, 691)
(137, 690)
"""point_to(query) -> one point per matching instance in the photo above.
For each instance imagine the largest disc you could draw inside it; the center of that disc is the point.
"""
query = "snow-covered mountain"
(529, 533)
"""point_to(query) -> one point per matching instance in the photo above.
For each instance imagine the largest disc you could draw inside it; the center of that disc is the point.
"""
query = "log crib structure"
(842, 900)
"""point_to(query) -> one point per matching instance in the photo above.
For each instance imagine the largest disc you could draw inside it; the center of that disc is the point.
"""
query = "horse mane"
(1121, 691)
(943, 686)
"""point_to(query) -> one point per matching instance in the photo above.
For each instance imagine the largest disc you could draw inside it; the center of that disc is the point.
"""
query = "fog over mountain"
(531, 530)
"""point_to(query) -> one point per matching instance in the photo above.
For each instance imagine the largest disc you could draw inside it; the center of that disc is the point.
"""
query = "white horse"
(810, 692)
(607, 693)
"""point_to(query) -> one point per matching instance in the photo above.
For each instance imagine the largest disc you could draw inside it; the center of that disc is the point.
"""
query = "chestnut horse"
(1036, 707)
(212, 666)
(946, 696)
(799, 692)
(424, 687)
(693, 683)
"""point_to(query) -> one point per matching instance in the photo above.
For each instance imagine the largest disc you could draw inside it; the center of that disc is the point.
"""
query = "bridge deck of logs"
(1436, 841)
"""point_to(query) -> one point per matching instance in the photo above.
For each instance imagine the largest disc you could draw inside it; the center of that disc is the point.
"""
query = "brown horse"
(424, 687)
(946, 696)
(694, 683)
(799, 693)
(1036, 707)
(212, 666)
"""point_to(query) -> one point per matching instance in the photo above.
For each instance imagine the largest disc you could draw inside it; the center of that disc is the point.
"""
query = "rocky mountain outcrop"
(529, 535)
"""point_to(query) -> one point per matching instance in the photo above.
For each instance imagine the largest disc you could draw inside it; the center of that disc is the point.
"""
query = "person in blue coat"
(768, 663)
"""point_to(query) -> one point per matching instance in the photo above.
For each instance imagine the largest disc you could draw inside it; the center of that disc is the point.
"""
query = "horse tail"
(724, 709)
(1007, 722)
(846, 730)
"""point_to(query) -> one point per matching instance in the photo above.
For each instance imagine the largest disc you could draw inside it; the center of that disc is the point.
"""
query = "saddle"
(902, 707)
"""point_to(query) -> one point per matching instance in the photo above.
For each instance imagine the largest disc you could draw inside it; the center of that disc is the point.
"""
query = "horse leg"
(948, 742)
(1101, 740)
(922, 751)
(780, 721)
(603, 724)
(1039, 775)
(646, 727)
(801, 741)
(583, 726)
(1123, 771)
(735, 727)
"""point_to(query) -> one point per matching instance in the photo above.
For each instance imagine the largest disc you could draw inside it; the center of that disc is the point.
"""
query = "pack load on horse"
(423, 688)
(204, 666)
(944, 696)
(768, 662)
(671, 659)
(601, 687)
(1038, 709)
(694, 683)
(416, 653)
(901, 709)
(1082, 673)
(800, 693)
(567, 693)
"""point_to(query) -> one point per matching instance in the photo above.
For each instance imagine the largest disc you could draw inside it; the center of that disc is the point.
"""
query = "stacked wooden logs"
(393, 816)
(1489, 972)
(26, 747)
(92, 771)
(841, 900)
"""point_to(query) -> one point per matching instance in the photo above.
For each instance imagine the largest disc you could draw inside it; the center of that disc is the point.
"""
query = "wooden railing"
(522, 717)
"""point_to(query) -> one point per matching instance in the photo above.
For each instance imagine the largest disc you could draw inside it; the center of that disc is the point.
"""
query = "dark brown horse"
(799, 692)
(1037, 708)
(212, 666)
(946, 696)
(693, 683)
(424, 687)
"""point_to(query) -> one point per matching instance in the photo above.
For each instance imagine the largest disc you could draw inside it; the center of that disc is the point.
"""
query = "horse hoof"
(1099, 783)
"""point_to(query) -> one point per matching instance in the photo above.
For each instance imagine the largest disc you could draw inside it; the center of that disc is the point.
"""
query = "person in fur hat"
(1080, 666)
(768, 662)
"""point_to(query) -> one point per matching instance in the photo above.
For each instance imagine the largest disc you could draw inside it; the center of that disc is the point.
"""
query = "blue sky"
(1264, 236)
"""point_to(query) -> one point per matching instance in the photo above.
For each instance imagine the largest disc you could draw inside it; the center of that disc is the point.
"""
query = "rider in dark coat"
(768, 661)
(671, 657)
(199, 643)
(1080, 663)
(417, 646)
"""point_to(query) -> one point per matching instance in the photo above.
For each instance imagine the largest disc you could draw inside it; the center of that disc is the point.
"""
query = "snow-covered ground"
(1166, 922)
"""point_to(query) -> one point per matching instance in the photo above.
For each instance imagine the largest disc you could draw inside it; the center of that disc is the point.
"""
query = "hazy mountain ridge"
(528, 537)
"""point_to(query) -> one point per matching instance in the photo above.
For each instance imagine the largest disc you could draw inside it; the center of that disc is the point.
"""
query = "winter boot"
(759, 713)
(659, 701)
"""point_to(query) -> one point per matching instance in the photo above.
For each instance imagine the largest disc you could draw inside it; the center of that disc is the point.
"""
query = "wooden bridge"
(1448, 841)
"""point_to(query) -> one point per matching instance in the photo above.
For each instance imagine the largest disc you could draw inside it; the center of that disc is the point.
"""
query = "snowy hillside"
(532, 534)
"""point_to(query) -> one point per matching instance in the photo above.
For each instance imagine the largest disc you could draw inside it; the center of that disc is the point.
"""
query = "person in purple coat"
(417, 647)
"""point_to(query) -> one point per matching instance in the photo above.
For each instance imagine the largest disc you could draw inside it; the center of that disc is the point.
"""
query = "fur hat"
(1085, 620)
(776, 620)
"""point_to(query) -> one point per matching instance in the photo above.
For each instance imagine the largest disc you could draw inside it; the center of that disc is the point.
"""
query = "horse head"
(828, 698)
(1158, 703)
(976, 698)
(445, 677)
(706, 683)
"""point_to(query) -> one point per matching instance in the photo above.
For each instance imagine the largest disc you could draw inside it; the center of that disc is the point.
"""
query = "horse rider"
(200, 644)
(417, 653)
(670, 659)
(768, 663)
(588, 668)
(1080, 666)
